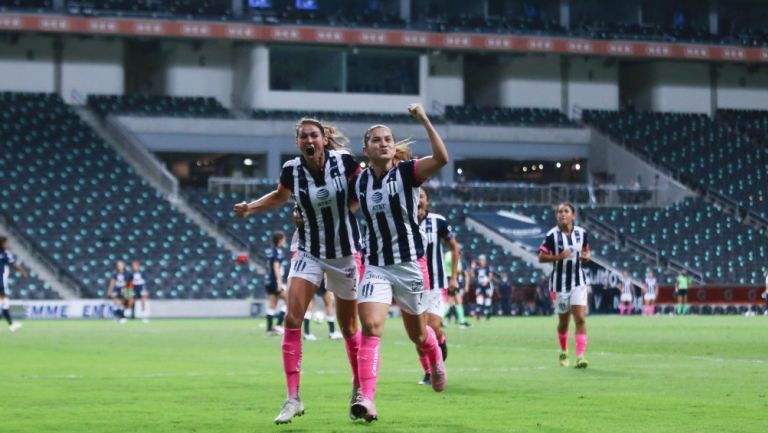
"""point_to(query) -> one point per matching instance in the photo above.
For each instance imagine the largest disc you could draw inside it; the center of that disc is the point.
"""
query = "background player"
(682, 283)
(455, 297)
(117, 285)
(140, 292)
(627, 296)
(8, 261)
(436, 230)
(567, 247)
(649, 294)
(484, 288)
(275, 287)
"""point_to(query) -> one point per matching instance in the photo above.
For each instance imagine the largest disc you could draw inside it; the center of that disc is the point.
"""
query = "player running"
(318, 180)
(567, 247)
(388, 191)
(275, 286)
(436, 229)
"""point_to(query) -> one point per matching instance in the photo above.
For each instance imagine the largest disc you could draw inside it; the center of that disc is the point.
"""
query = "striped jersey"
(6, 260)
(650, 286)
(329, 230)
(626, 286)
(436, 229)
(566, 274)
(389, 204)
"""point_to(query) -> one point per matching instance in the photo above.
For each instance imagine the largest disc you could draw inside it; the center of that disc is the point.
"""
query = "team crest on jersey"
(577, 235)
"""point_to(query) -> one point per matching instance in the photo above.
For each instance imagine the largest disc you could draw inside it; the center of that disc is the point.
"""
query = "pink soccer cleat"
(364, 408)
(439, 375)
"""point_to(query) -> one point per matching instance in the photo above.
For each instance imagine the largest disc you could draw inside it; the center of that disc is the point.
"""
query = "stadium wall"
(445, 80)
(27, 64)
(91, 66)
(199, 69)
(593, 83)
(530, 81)
(741, 86)
(159, 309)
(684, 87)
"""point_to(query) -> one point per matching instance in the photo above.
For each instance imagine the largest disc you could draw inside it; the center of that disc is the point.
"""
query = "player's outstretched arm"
(269, 201)
(428, 166)
(22, 270)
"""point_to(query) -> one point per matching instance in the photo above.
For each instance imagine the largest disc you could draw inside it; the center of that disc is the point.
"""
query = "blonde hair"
(402, 148)
(336, 139)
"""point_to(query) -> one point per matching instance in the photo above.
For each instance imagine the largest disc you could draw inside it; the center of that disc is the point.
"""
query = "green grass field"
(673, 374)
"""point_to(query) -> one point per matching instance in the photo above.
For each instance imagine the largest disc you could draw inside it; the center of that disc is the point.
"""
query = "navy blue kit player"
(8, 261)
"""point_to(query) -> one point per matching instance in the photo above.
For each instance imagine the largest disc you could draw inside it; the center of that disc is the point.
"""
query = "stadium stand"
(84, 208)
(702, 152)
(174, 106)
(475, 115)
(31, 288)
(26, 5)
(697, 234)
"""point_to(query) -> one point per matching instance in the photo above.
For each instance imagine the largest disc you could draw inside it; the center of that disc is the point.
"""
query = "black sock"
(280, 318)
(269, 322)
(133, 311)
(7, 315)
(306, 326)
(331, 327)
(119, 313)
(444, 348)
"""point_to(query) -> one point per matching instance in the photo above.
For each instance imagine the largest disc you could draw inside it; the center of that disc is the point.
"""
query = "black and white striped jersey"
(329, 230)
(651, 285)
(626, 286)
(436, 230)
(567, 274)
(389, 205)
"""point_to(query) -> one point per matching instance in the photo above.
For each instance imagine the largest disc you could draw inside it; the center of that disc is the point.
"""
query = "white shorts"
(341, 274)
(565, 300)
(649, 297)
(404, 281)
(434, 300)
(626, 297)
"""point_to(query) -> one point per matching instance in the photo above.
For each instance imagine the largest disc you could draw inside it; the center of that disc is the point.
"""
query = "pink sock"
(621, 309)
(292, 360)
(629, 309)
(563, 339)
(442, 339)
(353, 346)
(650, 310)
(581, 344)
(368, 363)
(430, 347)
(424, 360)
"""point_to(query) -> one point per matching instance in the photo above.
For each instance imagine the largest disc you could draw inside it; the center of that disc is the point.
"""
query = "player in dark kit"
(484, 290)
(275, 287)
(8, 261)
(116, 291)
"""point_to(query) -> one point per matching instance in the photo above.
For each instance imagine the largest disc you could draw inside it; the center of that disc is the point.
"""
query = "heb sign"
(80, 309)
(714, 295)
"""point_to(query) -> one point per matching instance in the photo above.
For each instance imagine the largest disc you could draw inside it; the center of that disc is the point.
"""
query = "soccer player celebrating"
(275, 287)
(649, 294)
(483, 287)
(116, 291)
(388, 192)
(436, 229)
(626, 295)
(8, 261)
(328, 241)
(567, 247)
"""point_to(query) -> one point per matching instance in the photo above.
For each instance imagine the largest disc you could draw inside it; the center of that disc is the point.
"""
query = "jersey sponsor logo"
(350, 272)
(378, 197)
(323, 194)
(417, 286)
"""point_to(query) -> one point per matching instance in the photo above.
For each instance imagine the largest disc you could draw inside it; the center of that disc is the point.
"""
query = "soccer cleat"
(122, 321)
(581, 362)
(291, 408)
(439, 375)
(564, 359)
(357, 395)
(310, 337)
(465, 325)
(444, 349)
(426, 380)
(279, 330)
(335, 335)
(271, 333)
(364, 408)
(14, 326)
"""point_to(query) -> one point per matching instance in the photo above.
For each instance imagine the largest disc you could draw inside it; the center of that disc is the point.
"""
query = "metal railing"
(488, 192)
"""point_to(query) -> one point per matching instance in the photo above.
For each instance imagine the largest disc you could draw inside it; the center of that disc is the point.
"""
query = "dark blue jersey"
(121, 281)
(7, 261)
(274, 255)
